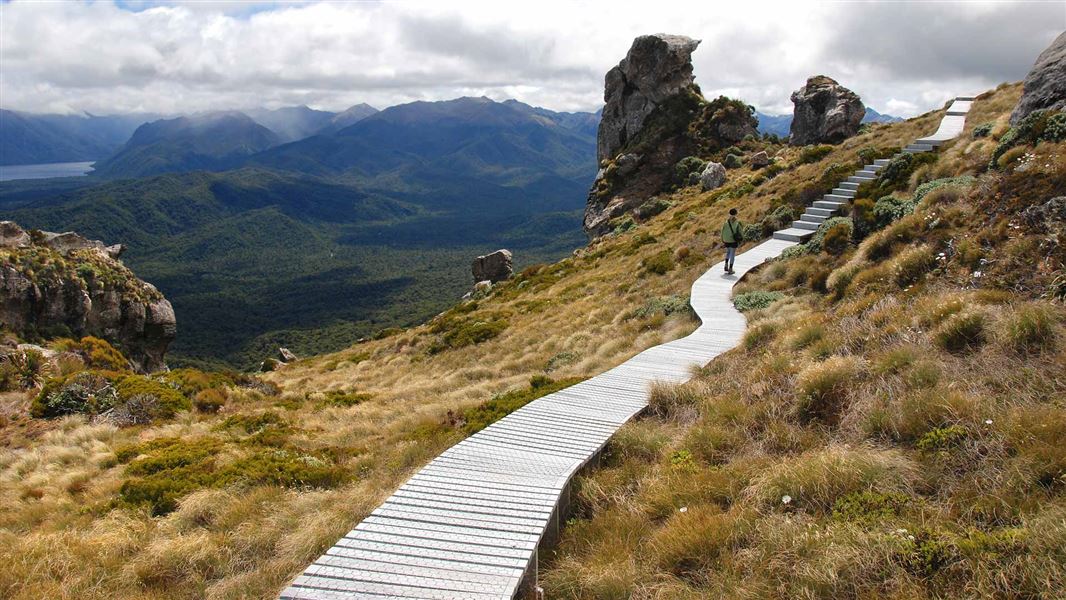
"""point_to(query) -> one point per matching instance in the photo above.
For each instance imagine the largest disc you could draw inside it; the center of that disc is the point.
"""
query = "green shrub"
(84, 392)
(837, 239)
(863, 217)
(252, 424)
(652, 207)
(962, 332)
(686, 168)
(193, 381)
(168, 400)
(209, 400)
(890, 208)
(983, 130)
(22, 369)
(1030, 329)
(659, 263)
(481, 416)
(663, 305)
(755, 300)
(942, 438)
(458, 333)
(561, 359)
(816, 243)
(1055, 128)
(869, 154)
(898, 171)
(812, 154)
(345, 398)
(869, 507)
(732, 161)
(1033, 128)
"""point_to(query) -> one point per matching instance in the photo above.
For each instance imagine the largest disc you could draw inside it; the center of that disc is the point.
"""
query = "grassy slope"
(852, 447)
(577, 317)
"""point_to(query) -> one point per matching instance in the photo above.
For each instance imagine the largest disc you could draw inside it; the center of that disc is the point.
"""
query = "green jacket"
(733, 233)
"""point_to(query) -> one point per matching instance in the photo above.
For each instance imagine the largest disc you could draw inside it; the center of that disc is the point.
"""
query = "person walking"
(731, 236)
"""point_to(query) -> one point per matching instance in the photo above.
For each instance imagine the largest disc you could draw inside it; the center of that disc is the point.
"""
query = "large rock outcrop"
(825, 113)
(1044, 87)
(64, 284)
(492, 267)
(656, 68)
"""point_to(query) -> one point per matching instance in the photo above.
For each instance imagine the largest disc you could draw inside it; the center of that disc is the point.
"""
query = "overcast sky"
(104, 57)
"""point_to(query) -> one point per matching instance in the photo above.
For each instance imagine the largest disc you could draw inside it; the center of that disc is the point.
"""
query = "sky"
(104, 57)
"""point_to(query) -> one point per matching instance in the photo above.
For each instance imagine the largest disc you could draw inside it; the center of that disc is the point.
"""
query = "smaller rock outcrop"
(492, 267)
(825, 112)
(759, 160)
(713, 176)
(286, 355)
(67, 285)
(1044, 87)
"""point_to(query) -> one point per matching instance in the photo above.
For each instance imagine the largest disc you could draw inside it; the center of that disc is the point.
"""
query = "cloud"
(162, 57)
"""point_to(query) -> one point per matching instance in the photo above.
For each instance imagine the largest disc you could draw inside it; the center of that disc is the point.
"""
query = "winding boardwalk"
(470, 524)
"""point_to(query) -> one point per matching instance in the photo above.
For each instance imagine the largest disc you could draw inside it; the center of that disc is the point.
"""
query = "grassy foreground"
(238, 494)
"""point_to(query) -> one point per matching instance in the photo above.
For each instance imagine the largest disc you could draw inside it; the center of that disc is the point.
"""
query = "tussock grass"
(897, 432)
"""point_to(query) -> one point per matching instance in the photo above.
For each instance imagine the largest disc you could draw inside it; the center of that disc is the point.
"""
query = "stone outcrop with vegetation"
(824, 112)
(64, 285)
(1044, 87)
(656, 127)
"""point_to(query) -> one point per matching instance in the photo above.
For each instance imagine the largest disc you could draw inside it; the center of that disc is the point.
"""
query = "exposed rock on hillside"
(825, 112)
(1045, 85)
(67, 285)
(492, 267)
(655, 116)
(657, 67)
(713, 176)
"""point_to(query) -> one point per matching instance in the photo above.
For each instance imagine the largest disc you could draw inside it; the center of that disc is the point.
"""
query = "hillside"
(281, 249)
(876, 371)
(31, 138)
(292, 123)
(210, 141)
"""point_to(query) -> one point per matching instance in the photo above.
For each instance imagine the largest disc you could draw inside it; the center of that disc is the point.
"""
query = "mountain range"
(32, 139)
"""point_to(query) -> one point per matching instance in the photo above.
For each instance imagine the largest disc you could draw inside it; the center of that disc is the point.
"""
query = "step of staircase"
(805, 225)
(881, 162)
(829, 204)
(847, 185)
(918, 148)
(873, 167)
(839, 198)
(866, 173)
(816, 219)
(824, 212)
(846, 192)
(793, 234)
(860, 179)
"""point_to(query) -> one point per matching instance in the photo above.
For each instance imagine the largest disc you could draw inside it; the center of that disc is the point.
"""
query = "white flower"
(988, 421)
(786, 499)
(977, 274)
(683, 509)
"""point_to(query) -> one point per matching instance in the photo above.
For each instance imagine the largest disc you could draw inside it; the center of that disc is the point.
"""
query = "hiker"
(731, 236)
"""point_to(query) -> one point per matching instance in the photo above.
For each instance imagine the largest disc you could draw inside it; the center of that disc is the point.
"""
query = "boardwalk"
(471, 522)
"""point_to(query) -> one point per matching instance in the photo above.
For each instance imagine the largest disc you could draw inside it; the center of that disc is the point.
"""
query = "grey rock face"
(825, 112)
(1045, 85)
(656, 68)
(13, 236)
(760, 159)
(713, 176)
(118, 307)
(492, 267)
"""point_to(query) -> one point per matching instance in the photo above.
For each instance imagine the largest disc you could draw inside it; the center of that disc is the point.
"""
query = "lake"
(44, 171)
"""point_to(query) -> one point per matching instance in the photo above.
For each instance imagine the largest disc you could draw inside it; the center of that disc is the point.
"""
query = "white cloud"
(148, 56)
